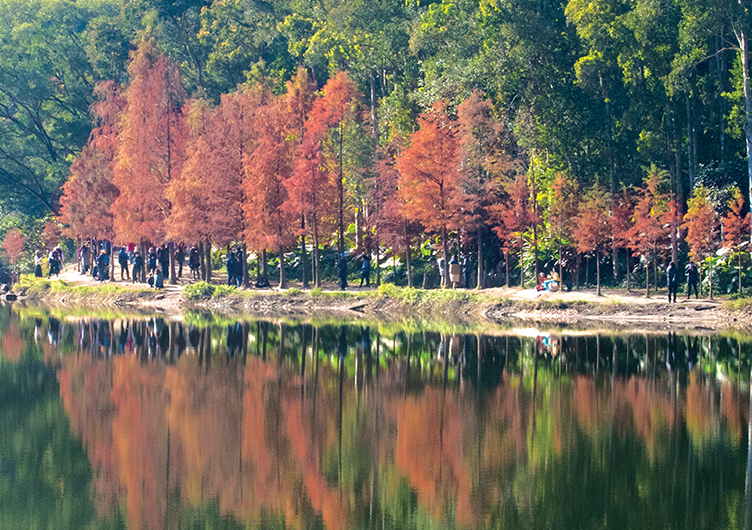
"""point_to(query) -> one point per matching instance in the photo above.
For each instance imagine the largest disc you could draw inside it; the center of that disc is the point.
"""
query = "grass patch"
(739, 304)
(317, 292)
(293, 291)
(198, 290)
(415, 296)
(220, 291)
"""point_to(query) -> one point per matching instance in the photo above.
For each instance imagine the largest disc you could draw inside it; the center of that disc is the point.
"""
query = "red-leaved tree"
(327, 124)
(151, 149)
(268, 223)
(649, 234)
(621, 222)
(563, 201)
(13, 245)
(592, 230)
(487, 152)
(736, 230)
(89, 192)
(513, 216)
(430, 177)
(701, 224)
(301, 93)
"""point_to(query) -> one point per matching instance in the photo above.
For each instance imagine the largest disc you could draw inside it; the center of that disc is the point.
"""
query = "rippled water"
(143, 423)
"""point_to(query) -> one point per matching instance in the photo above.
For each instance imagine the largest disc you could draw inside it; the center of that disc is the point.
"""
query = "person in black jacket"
(138, 266)
(342, 268)
(693, 276)
(672, 280)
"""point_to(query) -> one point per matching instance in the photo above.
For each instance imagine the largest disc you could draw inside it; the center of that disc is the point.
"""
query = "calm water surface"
(142, 423)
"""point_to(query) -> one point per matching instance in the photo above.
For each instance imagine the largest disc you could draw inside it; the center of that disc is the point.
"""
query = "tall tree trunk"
(741, 37)
(173, 276)
(341, 195)
(740, 273)
(577, 260)
(506, 265)
(202, 260)
(265, 264)
(481, 269)
(628, 269)
(244, 258)
(316, 261)
(690, 154)
(303, 254)
(445, 245)
(208, 250)
(597, 274)
(407, 256)
(282, 272)
(522, 268)
(710, 278)
(647, 280)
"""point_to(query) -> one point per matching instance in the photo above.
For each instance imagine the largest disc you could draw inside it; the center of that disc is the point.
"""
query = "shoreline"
(616, 309)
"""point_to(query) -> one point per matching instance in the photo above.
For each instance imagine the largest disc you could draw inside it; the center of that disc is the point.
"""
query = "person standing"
(194, 262)
(672, 280)
(365, 271)
(454, 272)
(151, 260)
(103, 265)
(138, 265)
(180, 258)
(38, 264)
(466, 268)
(123, 262)
(232, 266)
(163, 254)
(693, 277)
(85, 257)
(342, 268)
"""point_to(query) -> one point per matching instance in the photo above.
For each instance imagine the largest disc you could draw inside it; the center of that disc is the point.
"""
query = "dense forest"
(528, 135)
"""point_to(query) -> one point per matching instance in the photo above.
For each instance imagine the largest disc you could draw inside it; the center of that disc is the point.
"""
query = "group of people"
(672, 278)
(365, 270)
(457, 273)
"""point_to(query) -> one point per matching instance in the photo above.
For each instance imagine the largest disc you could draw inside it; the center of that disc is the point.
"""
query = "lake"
(205, 422)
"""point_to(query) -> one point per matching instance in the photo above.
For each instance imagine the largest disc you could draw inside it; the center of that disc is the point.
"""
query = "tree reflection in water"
(280, 424)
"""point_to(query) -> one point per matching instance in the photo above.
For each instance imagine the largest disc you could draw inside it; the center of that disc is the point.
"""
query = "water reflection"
(161, 424)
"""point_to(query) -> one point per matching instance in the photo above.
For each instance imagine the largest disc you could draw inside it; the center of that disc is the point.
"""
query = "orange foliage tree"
(430, 177)
(328, 121)
(393, 226)
(268, 223)
(592, 231)
(486, 154)
(13, 245)
(513, 217)
(235, 126)
(621, 222)
(301, 93)
(192, 193)
(89, 193)
(701, 223)
(151, 149)
(648, 235)
(563, 199)
(736, 230)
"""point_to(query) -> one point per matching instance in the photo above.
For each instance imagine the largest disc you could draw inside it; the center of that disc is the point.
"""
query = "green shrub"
(317, 292)
(197, 290)
(221, 291)
(293, 291)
